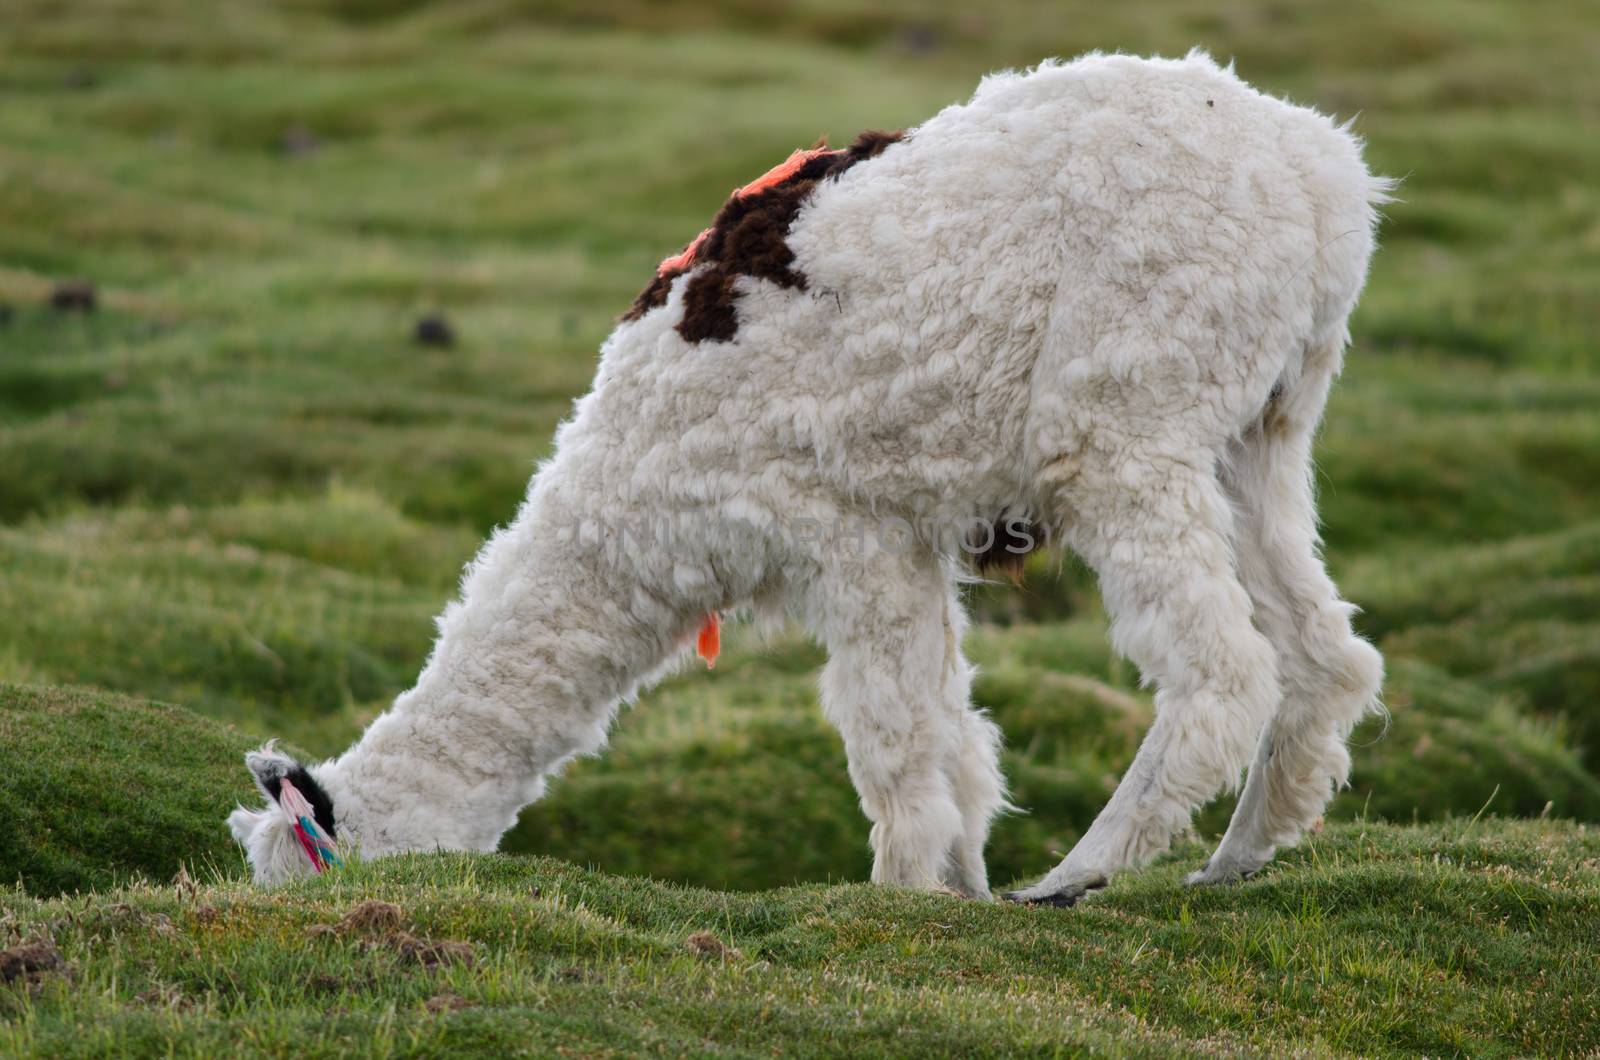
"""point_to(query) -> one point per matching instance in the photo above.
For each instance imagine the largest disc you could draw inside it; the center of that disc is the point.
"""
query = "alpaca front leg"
(1157, 531)
(882, 619)
(980, 792)
(974, 767)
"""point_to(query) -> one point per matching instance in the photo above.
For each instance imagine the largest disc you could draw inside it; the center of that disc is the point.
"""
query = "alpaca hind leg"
(1150, 516)
(1331, 677)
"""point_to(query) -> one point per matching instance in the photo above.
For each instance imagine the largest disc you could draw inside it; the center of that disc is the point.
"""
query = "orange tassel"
(709, 643)
(685, 257)
(781, 172)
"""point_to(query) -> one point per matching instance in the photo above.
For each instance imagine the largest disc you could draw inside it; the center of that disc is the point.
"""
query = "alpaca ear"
(269, 766)
(293, 834)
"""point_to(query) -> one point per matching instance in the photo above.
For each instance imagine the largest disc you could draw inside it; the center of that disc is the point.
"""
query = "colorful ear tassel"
(318, 847)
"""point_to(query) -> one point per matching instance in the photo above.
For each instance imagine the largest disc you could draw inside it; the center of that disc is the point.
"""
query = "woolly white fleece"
(1108, 294)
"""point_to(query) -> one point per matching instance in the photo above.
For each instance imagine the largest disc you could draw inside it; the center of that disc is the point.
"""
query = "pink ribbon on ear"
(294, 804)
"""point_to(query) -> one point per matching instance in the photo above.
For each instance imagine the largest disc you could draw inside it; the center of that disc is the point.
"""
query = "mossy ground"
(239, 487)
(1470, 937)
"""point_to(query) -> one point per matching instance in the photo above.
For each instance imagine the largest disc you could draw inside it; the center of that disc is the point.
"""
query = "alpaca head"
(293, 835)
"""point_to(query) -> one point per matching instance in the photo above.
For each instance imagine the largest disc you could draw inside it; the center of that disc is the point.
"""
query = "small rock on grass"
(74, 296)
(434, 330)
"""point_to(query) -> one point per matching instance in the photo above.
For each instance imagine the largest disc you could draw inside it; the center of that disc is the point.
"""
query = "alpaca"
(1100, 304)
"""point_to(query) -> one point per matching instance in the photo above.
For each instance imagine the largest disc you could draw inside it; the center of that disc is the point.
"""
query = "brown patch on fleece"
(654, 296)
(750, 238)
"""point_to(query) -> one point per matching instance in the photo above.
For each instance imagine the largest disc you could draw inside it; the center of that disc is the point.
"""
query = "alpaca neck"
(527, 673)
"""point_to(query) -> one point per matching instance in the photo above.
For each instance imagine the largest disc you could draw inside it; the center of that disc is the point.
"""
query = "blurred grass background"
(239, 486)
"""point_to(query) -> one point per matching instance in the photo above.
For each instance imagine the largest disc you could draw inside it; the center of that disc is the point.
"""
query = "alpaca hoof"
(1062, 898)
(952, 891)
(1059, 900)
(1206, 876)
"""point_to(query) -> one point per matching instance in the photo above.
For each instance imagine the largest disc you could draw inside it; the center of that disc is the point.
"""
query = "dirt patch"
(323, 983)
(29, 962)
(164, 995)
(706, 946)
(74, 296)
(125, 918)
(326, 984)
(430, 953)
(379, 924)
(371, 917)
(448, 1003)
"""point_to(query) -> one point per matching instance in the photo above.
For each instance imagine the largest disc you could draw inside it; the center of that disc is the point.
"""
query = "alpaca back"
(958, 285)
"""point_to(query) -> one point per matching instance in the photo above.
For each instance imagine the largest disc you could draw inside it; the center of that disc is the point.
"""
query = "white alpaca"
(1105, 297)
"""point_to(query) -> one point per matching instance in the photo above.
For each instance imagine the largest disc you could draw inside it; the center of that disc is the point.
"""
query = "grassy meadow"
(233, 497)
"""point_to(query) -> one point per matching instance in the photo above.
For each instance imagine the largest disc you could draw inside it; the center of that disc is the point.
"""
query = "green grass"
(99, 789)
(1474, 937)
(238, 487)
